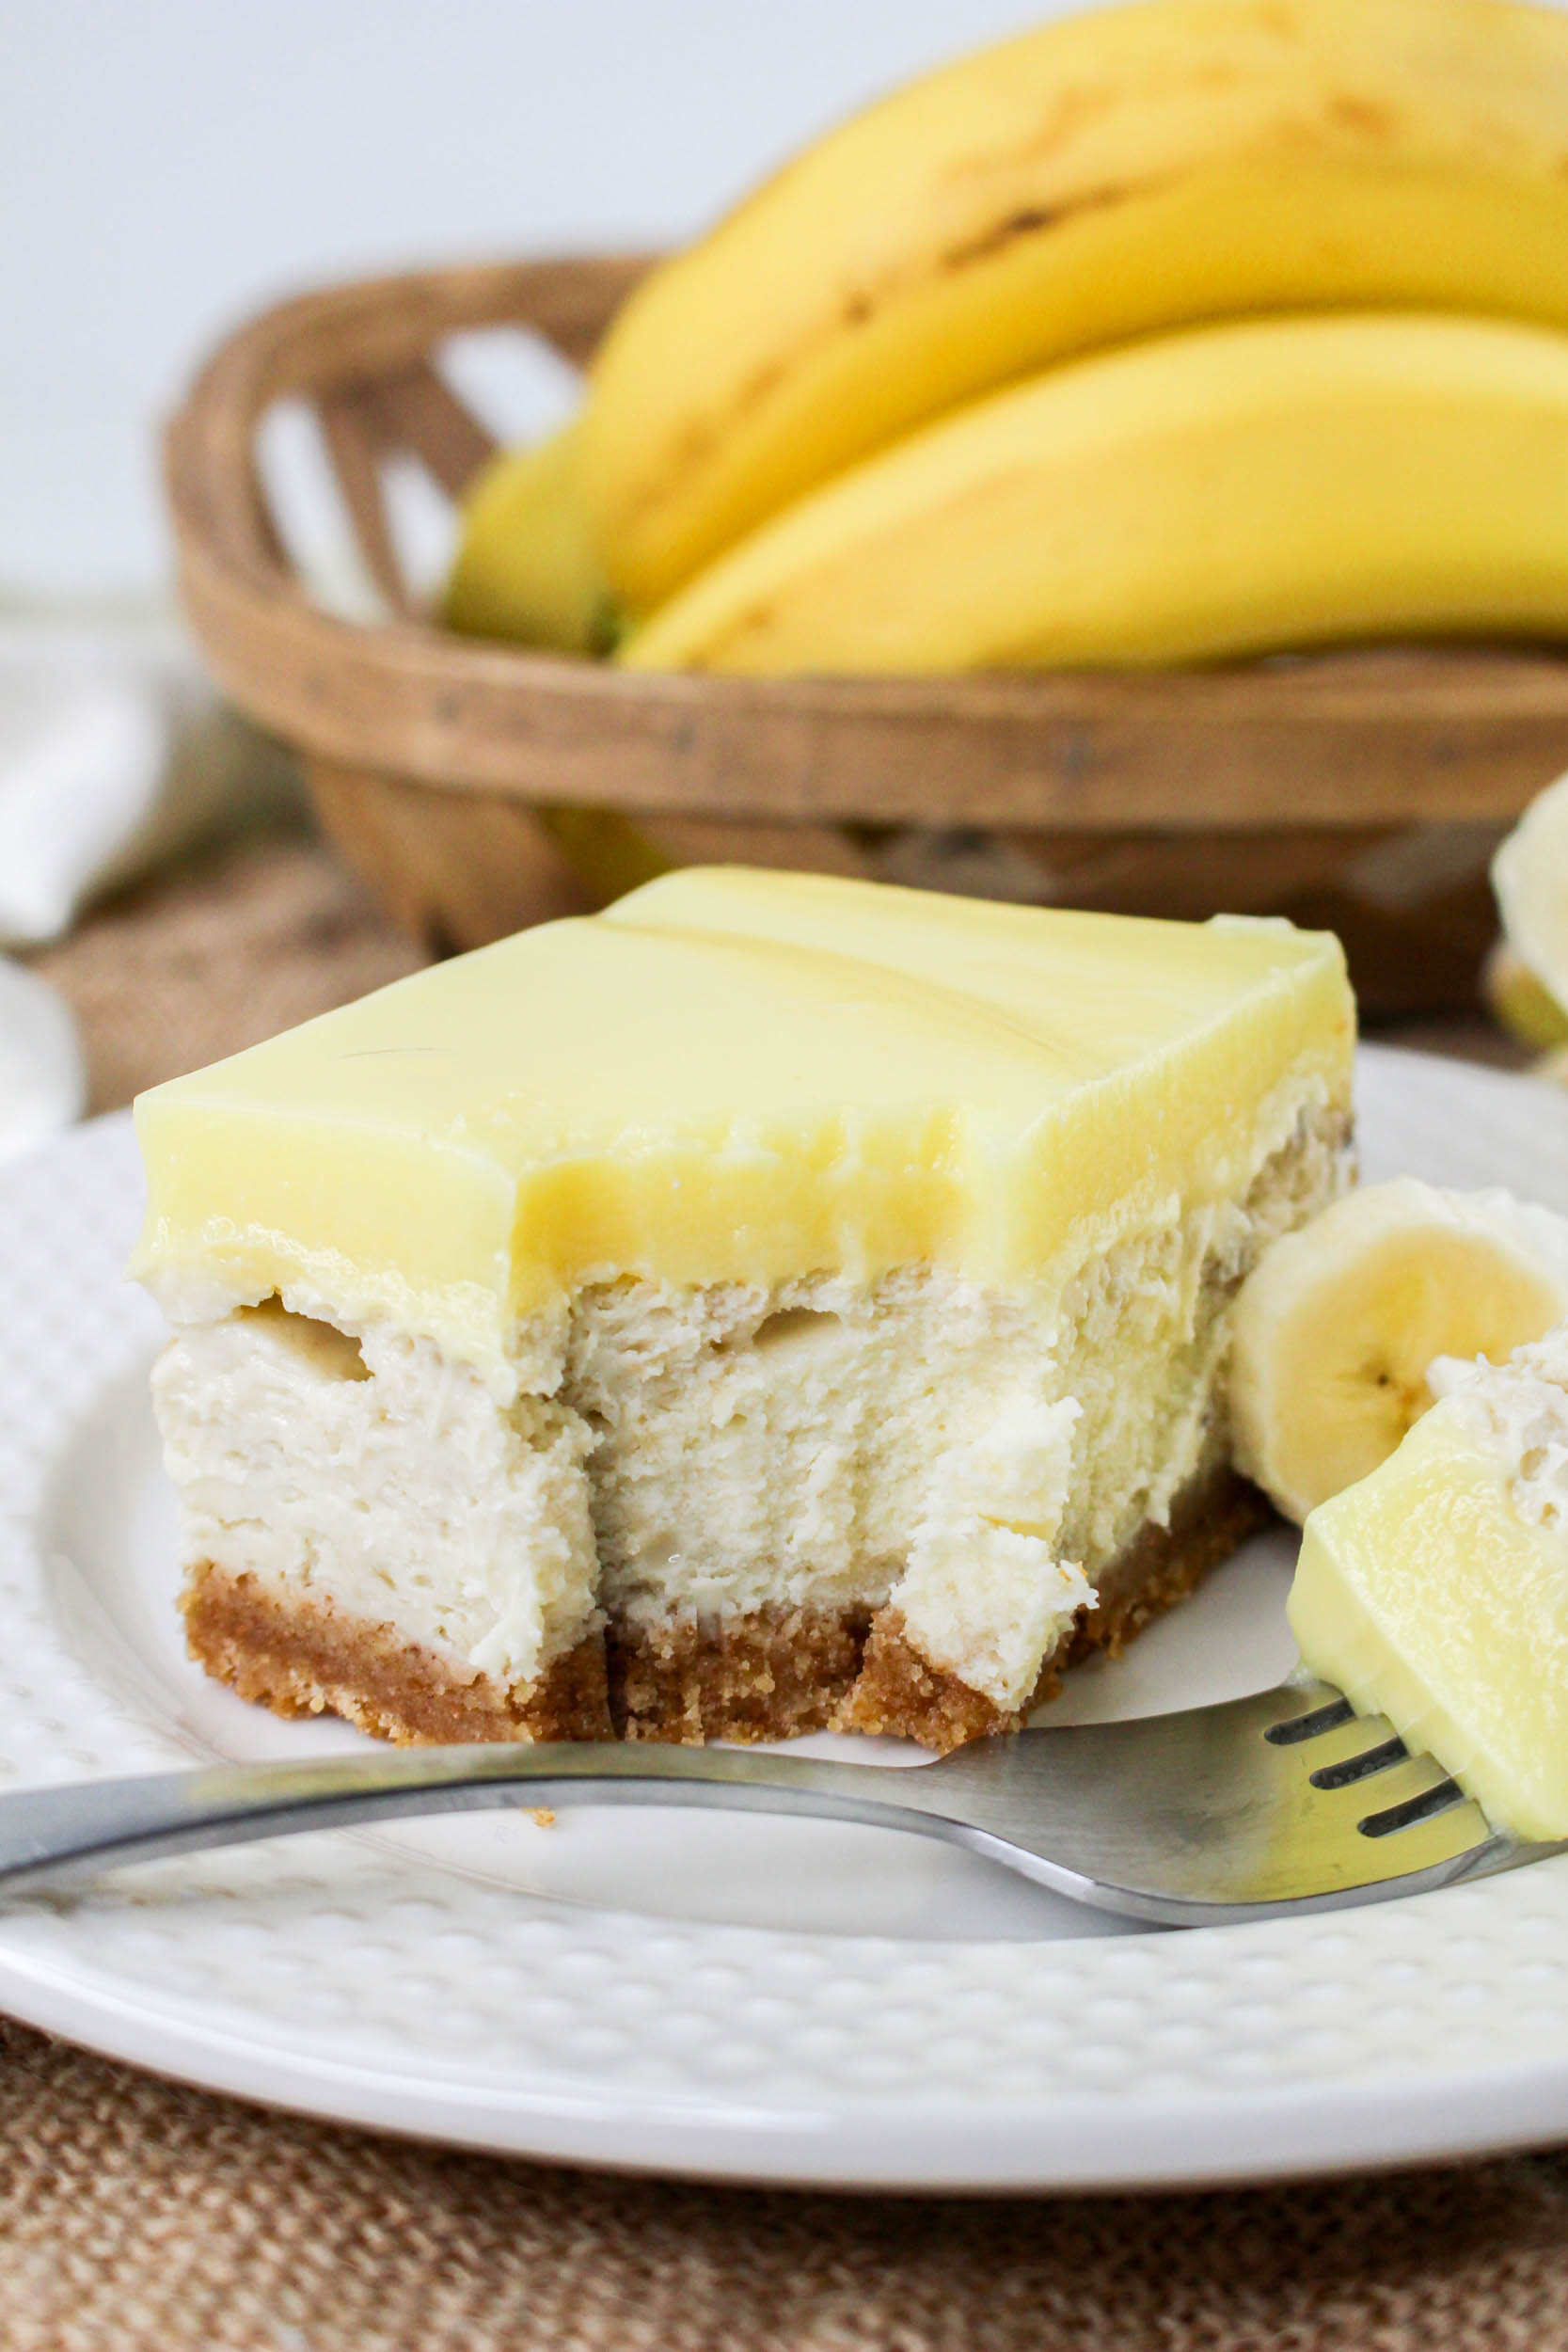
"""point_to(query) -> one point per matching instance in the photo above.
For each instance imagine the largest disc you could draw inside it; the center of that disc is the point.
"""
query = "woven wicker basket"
(1362, 791)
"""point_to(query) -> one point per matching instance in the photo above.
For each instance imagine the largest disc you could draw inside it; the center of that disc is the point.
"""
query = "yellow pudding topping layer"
(739, 1076)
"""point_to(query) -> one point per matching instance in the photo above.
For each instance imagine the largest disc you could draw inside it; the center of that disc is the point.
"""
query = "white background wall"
(165, 165)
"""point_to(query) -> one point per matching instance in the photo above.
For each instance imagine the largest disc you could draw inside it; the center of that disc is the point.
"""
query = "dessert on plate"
(1435, 1591)
(773, 1303)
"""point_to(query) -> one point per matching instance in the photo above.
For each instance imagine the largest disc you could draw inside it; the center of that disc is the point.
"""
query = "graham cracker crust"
(772, 1676)
(899, 1692)
(302, 1657)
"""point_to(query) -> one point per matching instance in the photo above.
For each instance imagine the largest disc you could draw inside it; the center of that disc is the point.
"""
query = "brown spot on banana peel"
(1368, 115)
(1032, 220)
(756, 620)
(698, 439)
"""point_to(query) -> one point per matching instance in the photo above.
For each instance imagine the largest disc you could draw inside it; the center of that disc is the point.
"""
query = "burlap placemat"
(218, 955)
(136, 2213)
(132, 2213)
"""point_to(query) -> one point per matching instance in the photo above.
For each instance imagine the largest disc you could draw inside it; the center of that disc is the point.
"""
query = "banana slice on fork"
(1337, 1328)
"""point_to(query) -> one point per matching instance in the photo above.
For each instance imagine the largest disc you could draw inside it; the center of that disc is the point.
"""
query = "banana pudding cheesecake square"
(771, 1304)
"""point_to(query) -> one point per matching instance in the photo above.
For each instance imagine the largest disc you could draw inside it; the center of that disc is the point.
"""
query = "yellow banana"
(524, 571)
(524, 568)
(1106, 176)
(1224, 491)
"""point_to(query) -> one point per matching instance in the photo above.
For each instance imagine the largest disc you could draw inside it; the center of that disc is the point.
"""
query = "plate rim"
(1077, 2142)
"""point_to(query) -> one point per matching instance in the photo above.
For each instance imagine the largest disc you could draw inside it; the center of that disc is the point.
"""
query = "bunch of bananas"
(1168, 332)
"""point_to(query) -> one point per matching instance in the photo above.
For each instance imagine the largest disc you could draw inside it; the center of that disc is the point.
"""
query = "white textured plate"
(744, 1998)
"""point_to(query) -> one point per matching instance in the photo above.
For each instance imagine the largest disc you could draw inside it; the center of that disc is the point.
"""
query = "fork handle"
(50, 1838)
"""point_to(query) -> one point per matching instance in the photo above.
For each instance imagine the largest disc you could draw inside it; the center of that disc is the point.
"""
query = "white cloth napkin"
(114, 753)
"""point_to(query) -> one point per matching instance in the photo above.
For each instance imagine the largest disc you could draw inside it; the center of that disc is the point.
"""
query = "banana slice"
(1530, 875)
(1520, 1003)
(1336, 1328)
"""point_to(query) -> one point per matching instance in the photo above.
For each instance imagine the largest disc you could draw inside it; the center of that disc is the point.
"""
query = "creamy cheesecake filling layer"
(369, 1472)
(724, 1455)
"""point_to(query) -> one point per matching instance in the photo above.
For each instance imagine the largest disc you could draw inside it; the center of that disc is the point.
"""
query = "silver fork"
(1285, 1801)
